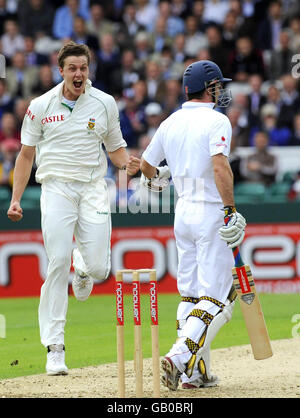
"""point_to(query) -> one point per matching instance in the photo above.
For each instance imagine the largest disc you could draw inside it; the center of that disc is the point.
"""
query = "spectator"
(169, 69)
(143, 142)
(45, 80)
(9, 149)
(230, 29)
(239, 132)
(81, 35)
(294, 26)
(146, 13)
(203, 54)
(240, 100)
(108, 62)
(171, 96)
(6, 99)
(132, 120)
(295, 141)
(269, 28)
(278, 136)
(178, 48)
(281, 57)
(154, 116)
(9, 129)
(197, 11)
(11, 40)
(57, 78)
(256, 99)
(159, 37)
(174, 24)
(143, 47)
(194, 39)
(245, 60)
(290, 100)
(5, 15)
(32, 56)
(235, 162)
(153, 78)
(20, 108)
(127, 74)
(140, 93)
(216, 47)
(180, 8)
(129, 27)
(273, 97)
(97, 25)
(35, 16)
(215, 11)
(20, 77)
(64, 19)
(261, 166)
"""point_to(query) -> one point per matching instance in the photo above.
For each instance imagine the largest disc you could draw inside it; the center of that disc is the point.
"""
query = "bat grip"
(236, 252)
(237, 257)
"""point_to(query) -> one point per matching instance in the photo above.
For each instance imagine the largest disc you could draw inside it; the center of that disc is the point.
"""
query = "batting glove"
(233, 230)
(158, 183)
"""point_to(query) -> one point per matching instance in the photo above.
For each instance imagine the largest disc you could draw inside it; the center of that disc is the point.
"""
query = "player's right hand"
(15, 212)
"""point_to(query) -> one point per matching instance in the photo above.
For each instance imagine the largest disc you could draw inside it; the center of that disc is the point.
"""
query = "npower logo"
(120, 303)
(153, 303)
(136, 303)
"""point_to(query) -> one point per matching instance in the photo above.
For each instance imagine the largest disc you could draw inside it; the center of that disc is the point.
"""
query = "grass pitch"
(90, 333)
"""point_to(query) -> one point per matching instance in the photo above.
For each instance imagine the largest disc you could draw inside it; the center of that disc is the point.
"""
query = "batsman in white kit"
(195, 142)
(65, 129)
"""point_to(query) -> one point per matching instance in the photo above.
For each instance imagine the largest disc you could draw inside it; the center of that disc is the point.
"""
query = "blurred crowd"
(140, 49)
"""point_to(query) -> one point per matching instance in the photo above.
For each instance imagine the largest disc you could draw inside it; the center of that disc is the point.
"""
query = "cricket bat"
(250, 305)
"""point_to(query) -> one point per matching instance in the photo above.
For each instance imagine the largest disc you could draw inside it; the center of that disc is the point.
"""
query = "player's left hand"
(133, 165)
(233, 230)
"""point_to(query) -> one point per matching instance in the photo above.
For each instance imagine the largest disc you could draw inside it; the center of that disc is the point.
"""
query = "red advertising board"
(272, 250)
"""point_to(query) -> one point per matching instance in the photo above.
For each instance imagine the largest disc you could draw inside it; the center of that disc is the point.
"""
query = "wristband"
(229, 210)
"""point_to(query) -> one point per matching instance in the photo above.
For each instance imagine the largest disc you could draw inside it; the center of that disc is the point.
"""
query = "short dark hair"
(73, 49)
(196, 95)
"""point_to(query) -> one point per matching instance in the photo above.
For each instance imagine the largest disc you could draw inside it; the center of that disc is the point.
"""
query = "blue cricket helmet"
(200, 74)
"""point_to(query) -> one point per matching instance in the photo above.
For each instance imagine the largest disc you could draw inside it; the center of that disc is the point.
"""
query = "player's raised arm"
(22, 172)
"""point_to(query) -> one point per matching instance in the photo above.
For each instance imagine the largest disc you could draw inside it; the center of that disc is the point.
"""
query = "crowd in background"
(140, 49)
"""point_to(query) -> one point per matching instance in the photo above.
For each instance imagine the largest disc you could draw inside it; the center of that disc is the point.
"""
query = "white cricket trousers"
(204, 261)
(71, 209)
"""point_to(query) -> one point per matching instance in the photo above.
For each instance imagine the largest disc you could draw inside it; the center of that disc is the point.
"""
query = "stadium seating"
(249, 192)
(31, 197)
(5, 196)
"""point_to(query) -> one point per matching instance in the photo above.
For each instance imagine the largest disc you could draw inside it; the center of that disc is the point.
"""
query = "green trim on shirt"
(64, 104)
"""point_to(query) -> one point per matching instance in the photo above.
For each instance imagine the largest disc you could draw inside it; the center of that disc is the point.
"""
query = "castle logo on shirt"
(53, 118)
(91, 124)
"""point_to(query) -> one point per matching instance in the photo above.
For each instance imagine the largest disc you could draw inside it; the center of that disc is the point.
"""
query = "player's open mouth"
(77, 84)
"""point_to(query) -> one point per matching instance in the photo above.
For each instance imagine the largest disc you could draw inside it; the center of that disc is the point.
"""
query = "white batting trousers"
(204, 261)
(71, 209)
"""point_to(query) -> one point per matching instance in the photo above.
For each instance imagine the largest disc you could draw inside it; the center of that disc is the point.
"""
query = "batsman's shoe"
(56, 360)
(82, 284)
(171, 377)
(201, 382)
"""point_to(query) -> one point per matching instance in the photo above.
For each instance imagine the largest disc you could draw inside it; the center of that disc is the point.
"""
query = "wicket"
(138, 355)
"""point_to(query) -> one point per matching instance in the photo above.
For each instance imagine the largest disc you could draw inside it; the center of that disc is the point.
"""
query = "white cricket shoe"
(82, 284)
(201, 382)
(56, 360)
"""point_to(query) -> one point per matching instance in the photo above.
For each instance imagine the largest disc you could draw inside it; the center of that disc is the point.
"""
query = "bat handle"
(236, 252)
(237, 257)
